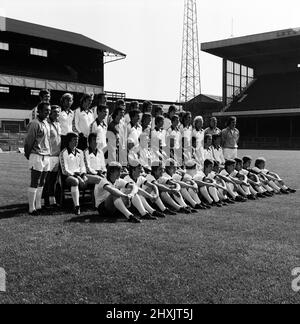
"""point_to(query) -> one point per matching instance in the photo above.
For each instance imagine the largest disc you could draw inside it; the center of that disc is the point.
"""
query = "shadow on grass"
(12, 211)
(95, 219)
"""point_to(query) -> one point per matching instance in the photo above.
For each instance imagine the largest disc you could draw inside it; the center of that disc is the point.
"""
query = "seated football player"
(254, 179)
(246, 190)
(167, 190)
(223, 194)
(231, 183)
(204, 180)
(275, 180)
(114, 195)
(140, 200)
(73, 169)
(188, 190)
(94, 161)
(217, 150)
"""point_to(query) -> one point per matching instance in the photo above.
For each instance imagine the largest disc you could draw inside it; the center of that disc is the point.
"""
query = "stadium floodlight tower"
(190, 82)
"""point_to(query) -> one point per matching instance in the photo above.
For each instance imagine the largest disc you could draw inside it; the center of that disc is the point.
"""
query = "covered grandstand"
(261, 86)
(35, 57)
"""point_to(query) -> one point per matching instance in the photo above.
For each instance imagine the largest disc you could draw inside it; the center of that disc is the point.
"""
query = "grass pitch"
(239, 254)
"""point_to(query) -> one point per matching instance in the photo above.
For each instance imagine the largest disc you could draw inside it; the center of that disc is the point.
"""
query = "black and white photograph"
(149, 155)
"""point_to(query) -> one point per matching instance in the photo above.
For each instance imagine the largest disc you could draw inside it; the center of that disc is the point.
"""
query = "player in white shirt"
(158, 140)
(158, 111)
(187, 190)
(198, 140)
(84, 117)
(173, 138)
(66, 118)
(55, 149)
(223, 193)
(132, 106)
(208, 148)
(145, 141)
(186, 136)
(275, 180)
(94, 161)
(208, 186)
(166, 189)
(73, 169)
(168, 121)
(228, 175)
(113, 195)
(140, 200)
(217, 150)
(246, 191)
(258, 184)
(134, 132)
(99, 127)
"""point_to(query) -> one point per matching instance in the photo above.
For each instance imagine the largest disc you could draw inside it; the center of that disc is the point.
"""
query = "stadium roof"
(30, 29)
(258, 49)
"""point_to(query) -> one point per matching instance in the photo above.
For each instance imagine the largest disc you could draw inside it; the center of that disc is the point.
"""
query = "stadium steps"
(279, 91)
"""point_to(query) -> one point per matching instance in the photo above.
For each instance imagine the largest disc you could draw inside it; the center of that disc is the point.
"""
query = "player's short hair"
(247, 159)
(172, 108)
(113, 167)
(145, 117)
(159, 119)
(238, 161)
(146, 105)
(174, 118)
(158, 108)
(170, 163)
(133, 113)
(41, 106)
(155, 165)
(70, 137)
(134, 105)
(64, 97)
(208, 162)
(231, 119)
(206, 137)
(85, 97)
(100, 108)
(229, 163)
(186, 115)
(91, 137)
(197, 118)
(43, 93)
(116, 112)
(120, 102)
(53, 107)
(259, 161)
(216, 136)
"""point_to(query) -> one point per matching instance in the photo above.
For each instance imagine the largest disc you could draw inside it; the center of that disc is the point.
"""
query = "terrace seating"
(279, 91)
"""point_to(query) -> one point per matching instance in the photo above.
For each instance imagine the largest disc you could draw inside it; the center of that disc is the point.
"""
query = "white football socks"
(31, 199)
(75, 196)
(39, 194)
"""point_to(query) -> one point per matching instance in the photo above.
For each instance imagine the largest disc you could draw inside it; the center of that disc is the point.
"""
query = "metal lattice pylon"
(190, 84)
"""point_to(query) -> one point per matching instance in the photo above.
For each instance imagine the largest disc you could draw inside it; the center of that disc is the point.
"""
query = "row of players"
(181, 189)
(167, 189)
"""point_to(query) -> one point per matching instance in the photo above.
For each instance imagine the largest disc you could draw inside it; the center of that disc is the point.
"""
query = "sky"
(150, 33)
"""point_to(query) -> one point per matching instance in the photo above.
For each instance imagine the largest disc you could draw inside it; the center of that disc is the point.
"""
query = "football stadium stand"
(35, 57)
(261, 86)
